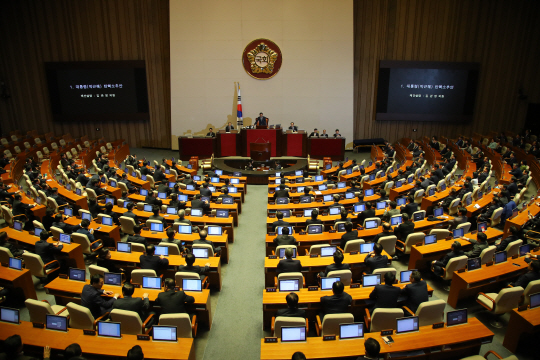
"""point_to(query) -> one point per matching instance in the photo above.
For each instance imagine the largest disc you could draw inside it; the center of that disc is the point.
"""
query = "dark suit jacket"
(199, 204)
(279, 223)
(140, 306)
(130, 214)
(477, 249)
(289, 265)
(205, 192)
(158, 218)
(513, 189)
(403, 230)
(87, 233)
(281, 193)
(416, 294)
(261, 121)
(153, 262)
(504, 242)
(66, 228)
(291, 312)
(526, 278)
(376, 262)
(335, 267)
(193, 269)
(229, 128)
(91, 298)
(136, 238)
(336, 304)
(409, 209)
(284, 240)
(47, 251)
(368, 213)
(351, 235)
(207, 242)
(439, 174)
(173, 301)
(381, 235)
(20, 208)
(444, 261)
(385, 296)
(109, 264)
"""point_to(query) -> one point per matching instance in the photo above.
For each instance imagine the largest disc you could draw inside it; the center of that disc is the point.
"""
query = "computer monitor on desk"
(351, 331)
(151, 282)
(200, 253)
(534, 300)
(456, 317)
(407, 324)
(281, 254)
(109, 329)
(164, 333)
(500, 257)
(293, 333)
(328, 251)
(328, 282)
(371, 280)
(55, 322)
(288, 285)
(9, 315)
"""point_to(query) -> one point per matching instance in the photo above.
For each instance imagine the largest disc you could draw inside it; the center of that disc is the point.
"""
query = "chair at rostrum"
(501, 303)
(353, 245)
(330, 323)
(34, 263)
(39, 309)
(130, 321)
(185, 328)
(291, 276)
(181, 275)
(454, 264)
(440, 233)
(280, 321)
(513, 248)
(382, 319)
(345, 276)
(429, 312)
(480, 357)
(127, 224)
(412, 239)
(80, 317)
(487, 254)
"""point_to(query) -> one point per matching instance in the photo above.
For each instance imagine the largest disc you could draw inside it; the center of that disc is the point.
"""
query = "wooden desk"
(38, 210)
(214, 274)
(94, 347)
(311, 301)
(112, 232)
(65, 290)
(527, 321)
(520, 219)
(73, 251)
(325, 173)
(22, 279)
(79, 201)
(464, 340)
(422, 256)
(397, 192)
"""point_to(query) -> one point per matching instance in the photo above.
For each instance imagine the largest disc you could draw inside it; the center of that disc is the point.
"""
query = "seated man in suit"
(172, 301)
(279, 222)
(13, 349)
(188, 180)
(204, 190)
(292, 307)
(532, 274)
(293, 127)
(514, 235)
(512, 187)
(337, 265)
(372, 349)
(337, 303)
(152, 199)
(392, 209)
(343, 217)
(437, 173)
(171, 240)
(337, 134)
(197, 203)
(385, 296)
(229, 127)
(182, 218)
(59, 200)
(410, 207)
(151, 262)
(84, 230)
(109, 211)
(46, 250)
(281, 192)
(479, 245)
(458, 220)
(202, 241)
(156, 217)
(416, 292)
(369, 212)
(136, 237)
(387, 231)
(405, 228)
(374, 260)
(288, 264)
(189, 267)
(126, 182)
(315, 133)
(104, 260)
(66, 228)
(261, 120)
(284, 238)
(91, 297)
(211, 133)
(314, 220)
(324, 134)
(224, 194)
(129, 213)
(350, 234)
(128, 302)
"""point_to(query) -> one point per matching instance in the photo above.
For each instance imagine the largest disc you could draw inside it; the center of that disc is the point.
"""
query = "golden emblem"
(262, 59)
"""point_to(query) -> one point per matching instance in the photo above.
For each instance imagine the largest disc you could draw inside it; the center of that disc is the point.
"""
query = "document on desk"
(318, 193)
(476, 206)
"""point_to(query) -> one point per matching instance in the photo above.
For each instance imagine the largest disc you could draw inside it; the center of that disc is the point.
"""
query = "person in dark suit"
(59, 200)
(171, 301)
(151, 262)
(20, 208)
(314, 220)
(416, 292)
(284, 238)
(229, 127)
(449, 165)
(129, 213)
(66, 228)
(337, 134)
(350, 234)
(156, 217)
(279, 222)
(437, 173)
(171, 240)
(512, 187)
(337, 303)
(292, 307)
(288, 264)
(15, 251)
(159, 176)
(532, 275)
(458, 220)
(337, 265)
(136, 237)
(261, 120)
(13, 349)
(46, 250)
(202, 240)
(91, 297)
(189, 267)
(182, 218)
(324, 134)
(387, 231)
(514, 235)
(152, 199)
(282, 192)
(197, 203)
(385, 296)
(188, 180)
(128, 302)
(405, 228)
(374, 260)
(410, 207)
(372, 349)
(479, 245)
(315, 133)
(109, 211)
(125, 181)
(104, 260)
(211, 133)
(84, 230)
(366, 214)
(293, 127)
(343, 217)
(204, 190)
(224, 194)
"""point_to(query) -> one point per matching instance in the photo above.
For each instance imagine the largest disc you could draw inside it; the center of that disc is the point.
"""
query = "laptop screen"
(286, 213)
(190, 187)
(196, 178)
(410, 179)
(482, 227)
(200, 253)
(524, 249)
(334, 210)
(222, 213)
(371, 280)
(328, 251)
(218, 172)
(341, 185)
(171, 184)
(235, 181)
(315, 229)
(215, 230)
(307, 212)
(293, 333)
(405, 276)
(278, 181)
(37, 231)
(474, 264)
(431, 192)
(328, 166)
(282, 200)
(107, 221)
(123, 247)
(196, 212)
(280, 228)
(164, 333)
(109, 201)
(214, 180)
(319, 178)
(534, 300)
(479, 196)
(171, 211)
(430, 239)
(109, 329)
(184, 229)
(298, 173)
(65, 238)
(281, 254)
(468, 201)
(161, 250)
(371, 224)
(68, 211)
(398, 184)
(438, 212)
(372, 177)
(443, 187)
(55, 322)
(327, 198)
(227, 200)
(237, 174)
(396, 220)
(112, 279)
(77, 274)
(182, 197)
(456, 317)
(381, 205)
(205, 198)
(349, 171)
(457, 233)
(401, 201)
(323, 187)
(156, 227)
(327, 282)
(351, 331)
(366, 248)
(161, 195)
(189, 166)
(15, 263)
(151, 282)
(359, 208)
(9, 315)
(305, 199)
(147, 208)
(288, 285)
(17, 225)
(349, 195)
(143, 177)
(419, 216)
(369, 192)
(192, 285)
(126, 204)
(407, 324)
(500, 257)
(340, 227)
(143, 192)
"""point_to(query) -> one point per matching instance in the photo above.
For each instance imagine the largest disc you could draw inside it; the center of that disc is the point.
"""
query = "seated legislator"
(456, 251)
(211, 133)
(156, 217)
(104, 260)
(261, 120)
(515, 235)
(172, 301)
(478, 245)
(314, 220)
(135, 353)
(285, 238)
(343, 216)
(315, 133)
(46, 250)
(416, 292)
(458, 220)
(197, 203)
(229, 127)
(385, 296)
(204, 190)
(152, 199)
(128, 302)
(411, 206)
(151, 262)
(136, 237)
(405, 228)
(202, 241)
(189, 267)
(13, 349)
(366, 214)
(91, 297)
(337, 265)
(387, 231)
(292, 307)
(372, 349)
(171, 240)
(324, 134)
(182, 218)
(374, 260)
(15, 251)
(350, 234)
(281, 192)
(288, 264)
(224, 194)
(337, 303)
(129, 213)
(532, 274)
(293, 127)
(337, 134)
(279, 222)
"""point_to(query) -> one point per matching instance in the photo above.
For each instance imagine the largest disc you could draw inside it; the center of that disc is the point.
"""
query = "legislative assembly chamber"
(287, 179)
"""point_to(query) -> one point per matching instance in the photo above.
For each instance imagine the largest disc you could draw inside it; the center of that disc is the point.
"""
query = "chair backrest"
(353, 245)
(205, 246)
(148, 222)
(38, 309)
(513, 248)
(376, 219)
(282, 321)
(56, 232)
(507, 299)
(94, 269)
(181, 275)
(137, 247)
(5, 254)
(80, 317)
(384, 319)
(331, 322)
(345, 276)
(532, 288)
(466, 226)
(54, 146)
(389, 244)
(130, 321)
(413, 239)
(487, 254)
(181, 321)
(388, 186)
(464, 197)
(137, 274)
(431, 312)
(454, 206)
(173, 248)
(82, 240)
(90, 193)
(383, 271)
(418, 196)
(440, 233)
(127, 225)
(293, 276)
(316, 249)
(496, 217)
(286, 247)
(455, 264)
(34, 263)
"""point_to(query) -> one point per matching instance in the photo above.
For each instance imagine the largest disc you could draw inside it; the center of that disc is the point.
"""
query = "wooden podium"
(260, 151)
